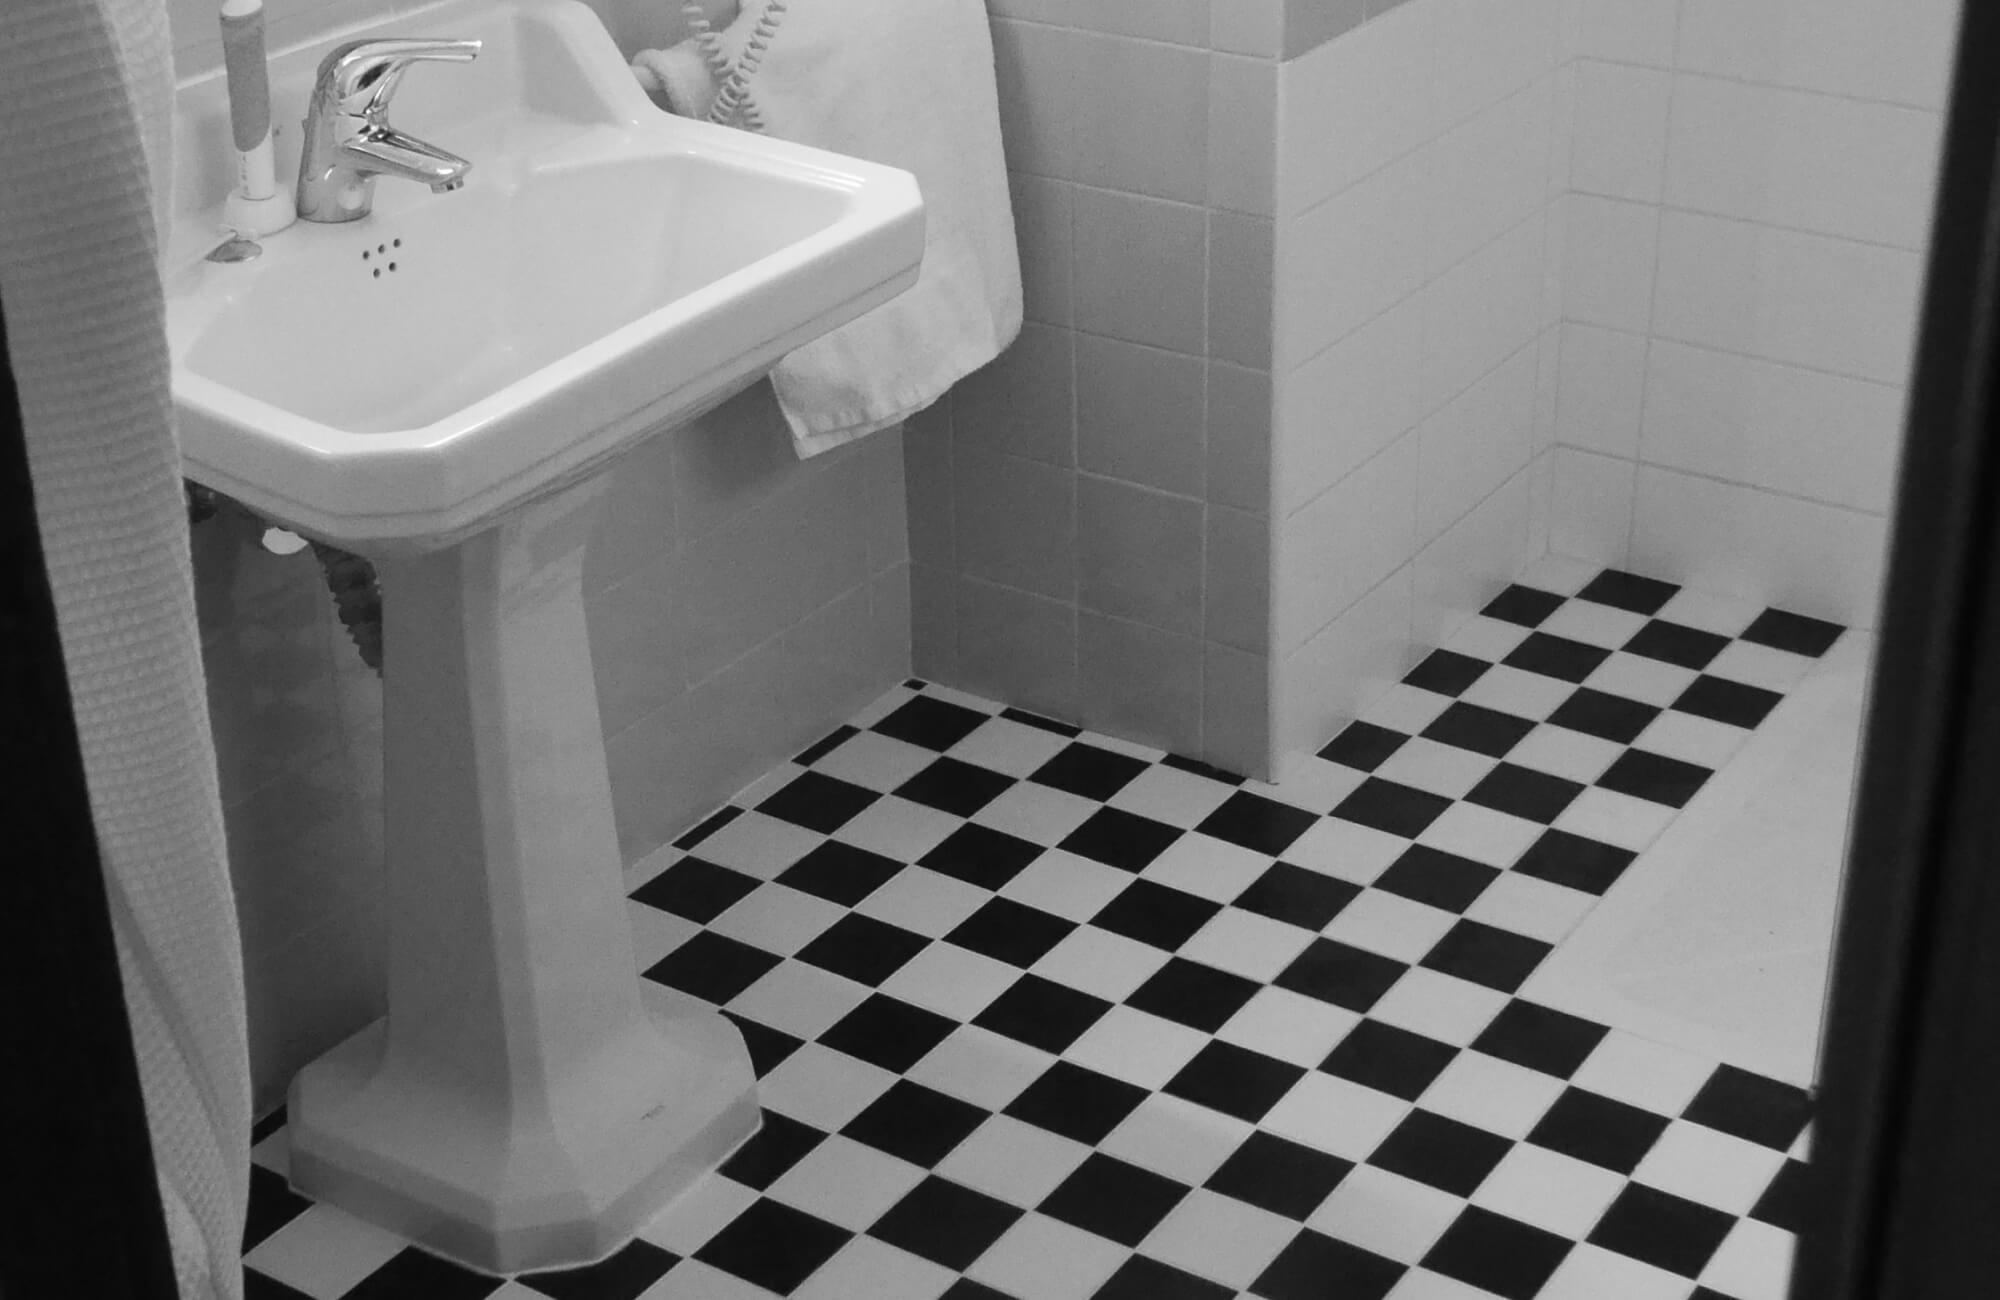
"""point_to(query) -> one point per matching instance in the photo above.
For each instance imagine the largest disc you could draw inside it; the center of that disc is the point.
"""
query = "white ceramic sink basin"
(608, 271)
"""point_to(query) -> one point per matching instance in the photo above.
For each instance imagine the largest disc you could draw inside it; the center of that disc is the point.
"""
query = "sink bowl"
(609, 271)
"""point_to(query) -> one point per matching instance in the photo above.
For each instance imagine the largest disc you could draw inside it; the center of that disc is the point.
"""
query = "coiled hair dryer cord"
(734, 104)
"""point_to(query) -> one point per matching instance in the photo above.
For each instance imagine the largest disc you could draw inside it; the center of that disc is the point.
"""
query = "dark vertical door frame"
(1906, 1186)
(80, 1211)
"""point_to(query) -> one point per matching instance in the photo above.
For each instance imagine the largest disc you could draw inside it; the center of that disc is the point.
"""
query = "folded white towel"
(907, 83)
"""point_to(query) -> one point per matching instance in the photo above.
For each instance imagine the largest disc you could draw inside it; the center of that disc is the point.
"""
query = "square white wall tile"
(1488, 49)
(1474, 444)
(1590, 506)
(1831, 304)
(1894, 50)
(1619, 140)
(1738, 541)
(1602, 388)
(1481, 312)
(1356, 104)
(1610, 247)
(1349, 402)
(1801, 432)
(1627, 31)
(1344, 543)
(1824, 163)
(1352, 257)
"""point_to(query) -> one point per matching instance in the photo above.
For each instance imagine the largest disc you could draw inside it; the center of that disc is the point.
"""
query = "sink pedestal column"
(526, 1103)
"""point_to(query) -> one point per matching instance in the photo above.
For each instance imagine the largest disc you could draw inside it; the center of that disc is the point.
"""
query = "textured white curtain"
(86, 100)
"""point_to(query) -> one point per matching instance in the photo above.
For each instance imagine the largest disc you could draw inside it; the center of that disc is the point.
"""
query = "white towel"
(86, 93)
(907, 83)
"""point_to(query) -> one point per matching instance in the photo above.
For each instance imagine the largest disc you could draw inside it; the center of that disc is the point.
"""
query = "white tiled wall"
(740, 602)
(1418, 159)
(1752, 184)
(1088, 516)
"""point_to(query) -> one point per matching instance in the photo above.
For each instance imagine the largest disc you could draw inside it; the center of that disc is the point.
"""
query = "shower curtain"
(86, 111)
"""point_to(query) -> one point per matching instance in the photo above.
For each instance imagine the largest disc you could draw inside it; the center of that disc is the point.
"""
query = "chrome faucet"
(348, 141)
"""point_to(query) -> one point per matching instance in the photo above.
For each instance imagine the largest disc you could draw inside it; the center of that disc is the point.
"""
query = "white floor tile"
(898, 828)
(1335, 1115)
(1521, 693)
(1219, 1238)
(1591, 1273)
(757, 845)
(1439, 1006)
(1016, 1162)
(324, 1252)
(1347, 850)
(1289, 1026)
(1492, 1094)
(1246, 944)
(821, 1087)
(1391, 925)
(922, 900)
(1441, 769)
(1709, 1167)
(1387, 1213)
(866, 1269)
(1483, 834)
(844, 1182)
(1177, 1138)
(982, 1067)
(1167, 794)
(1040, 1256)
(1565, 753)
(951, 981)
(1064, 884)
(1532, 907)
(874, 761)
(1039, 814)
(1136, 1047)
(1207, 867)
(1008, 746)
(1753, 1263)
(1549, 1190)
(778, 919)
(802, 1000)
(1098, 961)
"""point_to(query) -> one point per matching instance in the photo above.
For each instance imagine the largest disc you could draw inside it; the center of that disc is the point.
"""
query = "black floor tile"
(915, 1123)
(1575, 861)
(863, 949)
(1628, 591)
(825, 745)
(1041, 722)
(1485, 954)
(1599, 1130)
(699, 891)
(1446, 672)
(1114, 1199)
(945, 1223)
(1234, 1080)
(1511, 1259)
(774, 1246)
(1721, 700)
(981, 856)
(1481, 730)
(1440, 1152)
(1279, 1175)
(1297, 896)
(1794, 632)
(1077, 1103)
(1042, 1013)
(839, 873)
(411, 1274)
(888, 1032)
(1389, 1059)
(1341, 974)
(967, 1289)
(708, 826)
(1317, 1267)
(1751, 1107)
(1363, 745)
(711, 966)
(932, 723)
(781, 1143)
(1156, 914)
(1537, 1038)
(1783, 1204)
(818, 802)
(1441, 879)
(1120, 839)
(1655, 777)
(1673, 643)
(1556, 656)
(1392, 807)
(256, 1286)
(954, 787)
(273, 1204)
(624, 1276)
(1256, 823)
(1606, 716)
(1524, 792)
(1011, 932)
(768, 1047)
(1089, 770)
(1189, 993)
(1522, 605)
(1140, 1278)
(1195, 767)
(1662, 1229)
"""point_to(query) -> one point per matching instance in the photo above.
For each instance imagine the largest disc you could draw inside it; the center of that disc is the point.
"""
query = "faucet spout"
(385, 151)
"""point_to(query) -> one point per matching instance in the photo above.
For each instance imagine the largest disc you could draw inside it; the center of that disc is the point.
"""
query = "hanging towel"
(86, 93)
(907, 83)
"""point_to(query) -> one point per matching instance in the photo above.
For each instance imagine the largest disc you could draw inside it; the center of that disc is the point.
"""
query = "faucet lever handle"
(362, 76)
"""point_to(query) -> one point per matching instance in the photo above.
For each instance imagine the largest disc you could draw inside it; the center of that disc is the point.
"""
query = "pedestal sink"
(442, 386)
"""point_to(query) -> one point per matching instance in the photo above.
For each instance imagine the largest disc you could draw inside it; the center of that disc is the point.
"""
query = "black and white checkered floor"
(1046, 1015)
